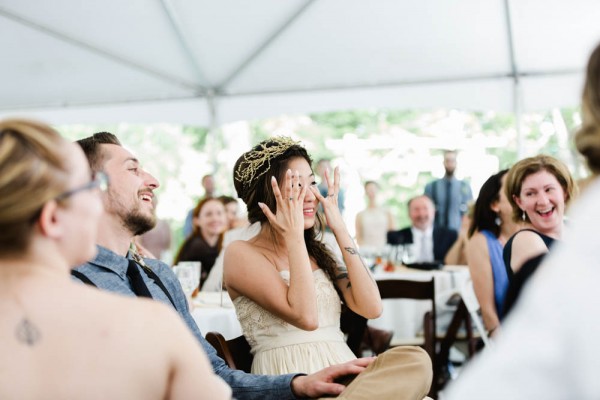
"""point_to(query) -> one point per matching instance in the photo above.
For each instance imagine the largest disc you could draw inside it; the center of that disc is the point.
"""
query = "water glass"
(188, 273)
(408, 255)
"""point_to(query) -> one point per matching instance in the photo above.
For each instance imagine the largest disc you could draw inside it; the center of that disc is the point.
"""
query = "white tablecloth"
(405, 317)
(211, 316)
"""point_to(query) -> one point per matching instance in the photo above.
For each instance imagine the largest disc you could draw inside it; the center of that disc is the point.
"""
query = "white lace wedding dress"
(281, 348)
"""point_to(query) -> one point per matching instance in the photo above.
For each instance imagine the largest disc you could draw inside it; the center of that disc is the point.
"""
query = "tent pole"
(518, 110)
(213, 132)
(517, 94)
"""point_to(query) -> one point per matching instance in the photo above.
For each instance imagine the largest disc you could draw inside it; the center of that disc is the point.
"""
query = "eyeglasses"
(99, 180)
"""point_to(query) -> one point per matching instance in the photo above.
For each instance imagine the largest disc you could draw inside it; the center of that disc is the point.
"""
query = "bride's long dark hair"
(251, 177)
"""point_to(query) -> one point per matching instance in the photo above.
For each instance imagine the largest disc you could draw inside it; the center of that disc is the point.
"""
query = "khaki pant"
(401, 373)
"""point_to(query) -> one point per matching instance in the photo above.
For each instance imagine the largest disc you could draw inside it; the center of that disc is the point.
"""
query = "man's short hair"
(92, 149)
(418, 197)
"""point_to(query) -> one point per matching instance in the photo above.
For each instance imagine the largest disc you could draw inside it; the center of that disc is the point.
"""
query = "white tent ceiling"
(203, 62)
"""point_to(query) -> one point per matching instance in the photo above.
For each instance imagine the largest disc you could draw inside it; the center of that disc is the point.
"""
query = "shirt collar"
(111, 261)
(417, 232)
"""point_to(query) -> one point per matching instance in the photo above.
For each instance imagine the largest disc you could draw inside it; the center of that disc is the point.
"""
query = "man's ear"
(48, 221)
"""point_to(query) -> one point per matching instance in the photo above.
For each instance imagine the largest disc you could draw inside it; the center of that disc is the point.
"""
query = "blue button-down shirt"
(108, 271)
(460, 195)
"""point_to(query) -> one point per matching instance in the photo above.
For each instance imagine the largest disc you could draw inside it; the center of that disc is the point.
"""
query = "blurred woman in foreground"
(60, 339)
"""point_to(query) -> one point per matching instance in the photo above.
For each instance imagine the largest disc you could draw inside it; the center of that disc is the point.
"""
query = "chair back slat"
(406, 289)
(235, 352)
(401, 289)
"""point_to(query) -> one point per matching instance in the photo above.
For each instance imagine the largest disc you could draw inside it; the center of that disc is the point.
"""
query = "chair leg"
(443, 357)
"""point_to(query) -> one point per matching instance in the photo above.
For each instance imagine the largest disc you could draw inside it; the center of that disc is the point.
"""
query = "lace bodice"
(279, 347)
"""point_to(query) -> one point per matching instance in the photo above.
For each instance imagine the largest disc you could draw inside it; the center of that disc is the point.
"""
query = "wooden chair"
(235, 352)
(467, 313)
(354, 327)
(417, 290)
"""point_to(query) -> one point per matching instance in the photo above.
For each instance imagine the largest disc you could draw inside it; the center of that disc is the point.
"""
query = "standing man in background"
(208, 183)
(449, 195)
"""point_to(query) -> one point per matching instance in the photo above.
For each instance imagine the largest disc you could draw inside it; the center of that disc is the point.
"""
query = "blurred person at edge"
(50, 326)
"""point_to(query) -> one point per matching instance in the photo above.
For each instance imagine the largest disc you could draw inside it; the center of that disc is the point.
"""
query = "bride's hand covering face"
(288, 217)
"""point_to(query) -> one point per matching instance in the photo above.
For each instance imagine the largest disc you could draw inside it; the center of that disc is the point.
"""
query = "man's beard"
(133, 220)
(137, 223)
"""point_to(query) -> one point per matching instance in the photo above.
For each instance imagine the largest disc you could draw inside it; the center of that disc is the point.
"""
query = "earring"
(524, 216)
(498, 221)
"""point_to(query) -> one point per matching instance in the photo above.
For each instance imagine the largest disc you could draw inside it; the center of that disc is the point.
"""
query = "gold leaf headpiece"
(249, 170)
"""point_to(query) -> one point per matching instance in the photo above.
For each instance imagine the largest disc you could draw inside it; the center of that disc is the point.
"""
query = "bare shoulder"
(240, 250)
(242, 260)
(238, 246)
(477, 248)
(119, 307)
(527, 238)
(526, 245)
(477, 240)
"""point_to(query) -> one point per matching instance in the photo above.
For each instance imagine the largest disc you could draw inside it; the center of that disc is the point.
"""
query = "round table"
(215, 313)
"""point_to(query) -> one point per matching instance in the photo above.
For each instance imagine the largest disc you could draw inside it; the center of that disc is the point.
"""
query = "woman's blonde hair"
(531, 165)
(587, 139)
(32, 172)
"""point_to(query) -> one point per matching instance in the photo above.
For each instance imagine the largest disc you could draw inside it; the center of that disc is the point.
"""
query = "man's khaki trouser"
(401, 373)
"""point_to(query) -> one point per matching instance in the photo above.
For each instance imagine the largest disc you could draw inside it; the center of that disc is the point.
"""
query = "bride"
(286, 285)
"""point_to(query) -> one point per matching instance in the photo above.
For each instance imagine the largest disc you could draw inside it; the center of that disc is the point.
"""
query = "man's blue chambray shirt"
(108, 271)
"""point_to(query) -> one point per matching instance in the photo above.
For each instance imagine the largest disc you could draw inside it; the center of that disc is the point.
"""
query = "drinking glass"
(188, 273)
(409, 256)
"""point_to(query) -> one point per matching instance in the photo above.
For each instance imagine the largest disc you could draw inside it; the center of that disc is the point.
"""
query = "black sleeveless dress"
(517, 280)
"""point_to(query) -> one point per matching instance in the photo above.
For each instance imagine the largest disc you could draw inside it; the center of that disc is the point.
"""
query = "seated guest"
(491, 228)
(457, 254)
(61, 339)
(128, 212)
(538, 188)
(231, 211)
(288, 288)
(430, 244)
(204, 244)
(373, 223)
